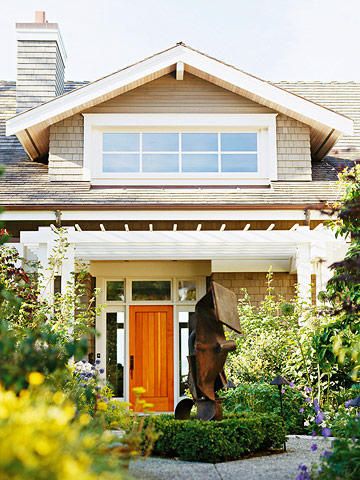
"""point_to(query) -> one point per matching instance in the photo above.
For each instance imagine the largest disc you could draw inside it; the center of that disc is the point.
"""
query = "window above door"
(159, 149)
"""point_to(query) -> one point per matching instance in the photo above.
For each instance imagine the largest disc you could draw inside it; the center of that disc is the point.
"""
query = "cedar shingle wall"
(40, 73)
(66, 149)
(256, 284)
(167, 95)
(293, 149)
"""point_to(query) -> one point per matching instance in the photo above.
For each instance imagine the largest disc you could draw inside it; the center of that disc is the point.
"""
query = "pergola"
(298, 250)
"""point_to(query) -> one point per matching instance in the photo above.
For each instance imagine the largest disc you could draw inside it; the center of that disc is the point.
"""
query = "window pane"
(121, 142)
(151, 290)
(115, 351)
(160, 142)
(115, 291)
(199, 162)
(183, 350)
(160, 162)
(237, 142)
(187, 291)
(239, 162)
(121, 162)
(199, 142)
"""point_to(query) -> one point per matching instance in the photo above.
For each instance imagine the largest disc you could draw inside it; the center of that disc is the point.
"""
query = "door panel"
(152, 352)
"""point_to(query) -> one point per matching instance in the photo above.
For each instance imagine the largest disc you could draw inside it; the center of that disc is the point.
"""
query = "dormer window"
(156, 149)
(180, 152)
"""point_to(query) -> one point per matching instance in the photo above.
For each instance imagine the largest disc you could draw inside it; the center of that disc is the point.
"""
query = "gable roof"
(32, 126)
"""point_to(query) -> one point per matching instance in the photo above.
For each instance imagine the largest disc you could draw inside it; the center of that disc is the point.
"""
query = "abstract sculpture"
(208, 349)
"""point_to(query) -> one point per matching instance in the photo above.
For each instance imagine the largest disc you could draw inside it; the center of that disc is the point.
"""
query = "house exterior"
(168, 173)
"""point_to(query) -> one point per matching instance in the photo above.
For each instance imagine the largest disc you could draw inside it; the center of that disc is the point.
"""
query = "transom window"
(180, 152)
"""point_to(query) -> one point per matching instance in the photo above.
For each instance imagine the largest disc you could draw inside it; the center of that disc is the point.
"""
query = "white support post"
(67, 268)
(323, 275)
(47, 283)
(304, 270)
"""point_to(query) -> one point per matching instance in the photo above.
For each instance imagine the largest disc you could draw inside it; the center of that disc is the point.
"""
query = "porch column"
(47, 281)
(304, 270)
(68, 268)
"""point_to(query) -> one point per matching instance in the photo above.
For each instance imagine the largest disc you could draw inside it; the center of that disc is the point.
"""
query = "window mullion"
(141, 151)
(219, 152)
(180, 152)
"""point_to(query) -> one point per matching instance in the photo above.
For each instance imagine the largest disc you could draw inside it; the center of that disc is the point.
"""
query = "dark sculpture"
(208, 349)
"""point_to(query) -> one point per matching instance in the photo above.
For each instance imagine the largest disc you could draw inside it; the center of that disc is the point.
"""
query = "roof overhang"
(32, 126)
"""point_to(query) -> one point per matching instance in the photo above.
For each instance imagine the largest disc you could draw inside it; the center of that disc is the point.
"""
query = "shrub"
(217, 441)
(264, 398)
(42, 438)
(344, 459)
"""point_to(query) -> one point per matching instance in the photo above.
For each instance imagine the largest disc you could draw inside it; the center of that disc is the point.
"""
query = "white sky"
(274, 39)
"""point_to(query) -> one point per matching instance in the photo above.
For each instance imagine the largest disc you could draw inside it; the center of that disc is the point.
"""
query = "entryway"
(151, 354)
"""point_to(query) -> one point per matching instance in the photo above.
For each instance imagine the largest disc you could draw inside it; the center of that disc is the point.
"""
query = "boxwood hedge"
(217, 441)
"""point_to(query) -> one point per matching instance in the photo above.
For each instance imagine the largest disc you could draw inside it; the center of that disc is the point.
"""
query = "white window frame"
(97, 124)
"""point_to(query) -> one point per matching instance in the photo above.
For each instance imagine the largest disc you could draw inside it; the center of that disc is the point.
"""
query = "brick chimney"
(41, 58)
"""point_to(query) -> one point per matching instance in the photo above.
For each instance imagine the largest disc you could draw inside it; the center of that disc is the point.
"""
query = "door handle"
(131, 365)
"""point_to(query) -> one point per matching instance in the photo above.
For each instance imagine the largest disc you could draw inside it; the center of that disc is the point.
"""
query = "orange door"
(152, 355)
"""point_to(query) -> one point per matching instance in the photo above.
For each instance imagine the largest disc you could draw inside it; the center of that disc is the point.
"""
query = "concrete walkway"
(282, 466)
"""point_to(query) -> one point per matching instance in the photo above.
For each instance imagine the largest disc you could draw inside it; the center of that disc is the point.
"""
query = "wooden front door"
(152, 355)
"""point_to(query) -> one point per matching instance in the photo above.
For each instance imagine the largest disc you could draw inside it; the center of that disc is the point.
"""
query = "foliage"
(227, 439)
(264, 398)
(37, 349)
(343, 289)
(24, 304)
(41, 438)
(275, 342)
(343, 461)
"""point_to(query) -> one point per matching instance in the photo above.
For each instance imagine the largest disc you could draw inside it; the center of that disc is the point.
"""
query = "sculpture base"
(206, 409)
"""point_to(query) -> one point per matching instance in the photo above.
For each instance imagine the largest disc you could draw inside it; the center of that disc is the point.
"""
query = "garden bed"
(217, 441)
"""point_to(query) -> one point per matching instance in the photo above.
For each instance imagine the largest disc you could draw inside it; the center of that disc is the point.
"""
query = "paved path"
(281, 466)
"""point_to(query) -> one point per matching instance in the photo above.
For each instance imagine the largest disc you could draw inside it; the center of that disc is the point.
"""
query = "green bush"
(343, 461)
(264, 398)
(217, 441)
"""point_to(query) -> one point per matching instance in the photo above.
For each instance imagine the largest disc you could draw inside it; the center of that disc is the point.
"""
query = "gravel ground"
(282, 466)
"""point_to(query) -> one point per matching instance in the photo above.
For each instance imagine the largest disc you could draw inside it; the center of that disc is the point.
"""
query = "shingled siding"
(40, 74)
(293, 149)
(191, 95)
(256, 284)
(66, 149)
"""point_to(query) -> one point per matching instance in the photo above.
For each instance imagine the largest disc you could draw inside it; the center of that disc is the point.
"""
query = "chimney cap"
(40, 16)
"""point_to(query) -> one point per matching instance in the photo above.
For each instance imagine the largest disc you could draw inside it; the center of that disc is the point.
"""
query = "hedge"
(217, 441)
(264, 398)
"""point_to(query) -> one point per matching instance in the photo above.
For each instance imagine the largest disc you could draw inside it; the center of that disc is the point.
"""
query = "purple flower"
(319, 418)
(283, 391)
(303, 473)
(97, 362)
(313, 433)
(291, 384)
(316, 405)
(347, 403)
(301, 410)
(101, 370)
(308, 389)
(308, 400)
(313, 447)
(326, 432)
(326, 454)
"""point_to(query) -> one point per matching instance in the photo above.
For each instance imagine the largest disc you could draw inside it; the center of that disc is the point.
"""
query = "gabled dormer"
(179, 117)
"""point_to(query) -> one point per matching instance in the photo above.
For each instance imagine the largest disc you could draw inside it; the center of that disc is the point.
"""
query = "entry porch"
(150, 281)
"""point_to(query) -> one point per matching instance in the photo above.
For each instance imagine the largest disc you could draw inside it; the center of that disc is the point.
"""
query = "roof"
(38, 192)
(32, 126)
(342, 97)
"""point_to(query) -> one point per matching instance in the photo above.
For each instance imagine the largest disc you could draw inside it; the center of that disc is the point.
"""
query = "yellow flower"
(84, 419)
(58, 398)
(139, 390)
(102, 406)
(36, 378)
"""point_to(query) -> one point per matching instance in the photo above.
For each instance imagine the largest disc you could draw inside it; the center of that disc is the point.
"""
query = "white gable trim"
(105, 88)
